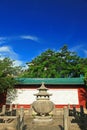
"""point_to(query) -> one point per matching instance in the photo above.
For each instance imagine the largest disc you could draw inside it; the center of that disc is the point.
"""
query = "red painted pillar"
(3, 98)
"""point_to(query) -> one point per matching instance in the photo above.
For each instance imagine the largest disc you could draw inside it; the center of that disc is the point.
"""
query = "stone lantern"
(43, 106)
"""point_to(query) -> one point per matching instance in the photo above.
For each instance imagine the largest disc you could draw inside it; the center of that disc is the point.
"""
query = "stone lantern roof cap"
(42, 91)
(42, 87)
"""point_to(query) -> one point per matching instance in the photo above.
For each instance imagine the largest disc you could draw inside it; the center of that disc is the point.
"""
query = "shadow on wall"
(11, 96)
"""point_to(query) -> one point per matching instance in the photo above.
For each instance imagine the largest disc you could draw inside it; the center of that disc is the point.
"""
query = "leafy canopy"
(56, 64)
(7, 74)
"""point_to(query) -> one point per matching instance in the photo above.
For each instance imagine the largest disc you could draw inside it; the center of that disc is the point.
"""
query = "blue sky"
(29, 27)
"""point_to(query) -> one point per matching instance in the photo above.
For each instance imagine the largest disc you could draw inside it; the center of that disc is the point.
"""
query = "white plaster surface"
(64, 96)
(59, 96)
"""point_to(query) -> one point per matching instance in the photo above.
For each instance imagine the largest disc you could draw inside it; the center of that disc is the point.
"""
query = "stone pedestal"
(42, 106)
(40, 120)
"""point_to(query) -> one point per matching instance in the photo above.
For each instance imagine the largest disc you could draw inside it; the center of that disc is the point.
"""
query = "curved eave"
(52, 81)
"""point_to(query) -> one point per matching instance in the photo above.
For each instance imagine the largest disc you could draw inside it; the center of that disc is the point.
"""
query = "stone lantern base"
(43, 106)
(43, 120)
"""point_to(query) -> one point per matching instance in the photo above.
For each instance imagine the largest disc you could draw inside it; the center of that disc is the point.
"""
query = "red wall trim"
(81, 94)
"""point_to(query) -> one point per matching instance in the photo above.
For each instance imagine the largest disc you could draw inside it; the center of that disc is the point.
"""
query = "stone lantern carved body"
(43, 106)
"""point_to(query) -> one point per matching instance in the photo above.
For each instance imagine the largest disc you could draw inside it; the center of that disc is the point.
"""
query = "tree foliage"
(7, 74)
(56, 64)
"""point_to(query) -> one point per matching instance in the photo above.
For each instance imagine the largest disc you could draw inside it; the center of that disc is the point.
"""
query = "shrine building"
(64, 91)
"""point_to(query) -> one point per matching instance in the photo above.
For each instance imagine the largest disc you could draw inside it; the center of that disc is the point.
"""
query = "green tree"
(7, 74)
(55, 64)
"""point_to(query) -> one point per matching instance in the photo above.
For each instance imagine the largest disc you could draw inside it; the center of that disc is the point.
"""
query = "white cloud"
(7, 51)
(17, 63)
(26, 37)
(76, 48)
(85, 52)
(80, 49)
(29, 37)
(4, 49)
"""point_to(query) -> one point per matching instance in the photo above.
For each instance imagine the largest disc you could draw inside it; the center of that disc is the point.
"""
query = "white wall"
(64, 96)
(59, 96)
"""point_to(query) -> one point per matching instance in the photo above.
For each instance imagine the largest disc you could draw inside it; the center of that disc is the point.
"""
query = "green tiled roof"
(54, 81)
